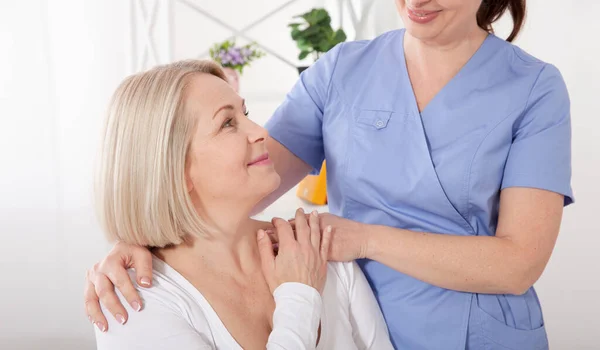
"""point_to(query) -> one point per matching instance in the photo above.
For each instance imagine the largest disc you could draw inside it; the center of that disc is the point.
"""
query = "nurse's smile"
(421, 16)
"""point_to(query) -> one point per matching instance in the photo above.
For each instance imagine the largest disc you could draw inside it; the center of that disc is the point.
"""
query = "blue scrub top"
(502, 121)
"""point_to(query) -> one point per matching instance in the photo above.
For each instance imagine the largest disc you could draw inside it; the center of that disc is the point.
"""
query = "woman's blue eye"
(228, 123)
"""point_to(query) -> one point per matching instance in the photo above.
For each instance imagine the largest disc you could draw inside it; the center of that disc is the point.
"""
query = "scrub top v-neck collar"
(474, 61)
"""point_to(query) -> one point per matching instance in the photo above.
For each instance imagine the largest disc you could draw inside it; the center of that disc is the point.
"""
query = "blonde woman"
(182, 168)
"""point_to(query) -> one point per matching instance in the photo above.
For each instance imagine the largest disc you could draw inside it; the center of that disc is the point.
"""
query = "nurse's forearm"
(473, 264)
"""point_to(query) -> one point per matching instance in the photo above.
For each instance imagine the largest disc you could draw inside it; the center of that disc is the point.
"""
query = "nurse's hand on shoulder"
(301, 258)
(102, 279)
(349, 239)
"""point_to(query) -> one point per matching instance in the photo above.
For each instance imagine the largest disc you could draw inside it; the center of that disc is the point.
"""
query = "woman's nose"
(257, 133)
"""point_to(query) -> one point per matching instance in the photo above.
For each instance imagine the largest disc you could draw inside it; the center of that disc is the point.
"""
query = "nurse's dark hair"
(491, 10)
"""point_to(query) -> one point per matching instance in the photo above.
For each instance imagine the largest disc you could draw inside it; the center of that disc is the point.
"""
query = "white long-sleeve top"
(177, 316)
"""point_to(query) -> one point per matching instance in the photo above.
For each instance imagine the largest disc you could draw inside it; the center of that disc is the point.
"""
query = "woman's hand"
(302, 259)
(349, 239)
(111, 272)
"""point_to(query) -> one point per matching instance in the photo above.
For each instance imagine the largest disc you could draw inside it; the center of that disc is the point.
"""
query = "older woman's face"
(433, 19)
(227, 159)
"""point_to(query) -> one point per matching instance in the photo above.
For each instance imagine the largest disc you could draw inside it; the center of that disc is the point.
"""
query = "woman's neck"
(232, 252)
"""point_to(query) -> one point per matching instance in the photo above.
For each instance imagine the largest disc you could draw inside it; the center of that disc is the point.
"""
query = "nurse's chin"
(431, 32)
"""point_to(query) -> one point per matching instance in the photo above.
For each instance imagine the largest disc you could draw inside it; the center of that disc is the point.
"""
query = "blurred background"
(60, 60)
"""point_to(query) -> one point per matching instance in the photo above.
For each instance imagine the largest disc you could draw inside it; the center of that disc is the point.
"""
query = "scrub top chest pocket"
(390, 157)
(376, 119)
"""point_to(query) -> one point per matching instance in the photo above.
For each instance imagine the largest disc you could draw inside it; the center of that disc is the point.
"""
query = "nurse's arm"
(290, 168)
(509, 263)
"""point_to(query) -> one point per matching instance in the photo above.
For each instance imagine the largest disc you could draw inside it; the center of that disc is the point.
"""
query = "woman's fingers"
(325, 243)
(315, 230)
(267, 257)
(272, 236)
(302, 229)
(298, 260)
(92, 305)
(284, 232)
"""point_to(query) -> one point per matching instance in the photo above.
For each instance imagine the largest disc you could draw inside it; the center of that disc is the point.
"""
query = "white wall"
(60, 61)
(566, 34)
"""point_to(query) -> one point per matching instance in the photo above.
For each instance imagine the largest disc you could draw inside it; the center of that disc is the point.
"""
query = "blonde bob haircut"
(140, 187)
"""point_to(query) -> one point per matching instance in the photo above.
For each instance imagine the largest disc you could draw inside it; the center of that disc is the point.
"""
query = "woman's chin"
(272, 181)
(268, 184)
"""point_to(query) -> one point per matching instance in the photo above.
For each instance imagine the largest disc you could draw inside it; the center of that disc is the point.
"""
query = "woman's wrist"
(288, 288)
(298, 309)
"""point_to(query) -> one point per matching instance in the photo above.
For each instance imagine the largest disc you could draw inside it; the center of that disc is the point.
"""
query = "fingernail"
(90, 318)
(136, 306)
(101, 326)
(145, 281)
(314, 213)
(329, 229)
(269, 231)
(261, 234)
(120, 318)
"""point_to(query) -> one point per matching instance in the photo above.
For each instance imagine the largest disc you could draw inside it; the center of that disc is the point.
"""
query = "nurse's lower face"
(439, 20)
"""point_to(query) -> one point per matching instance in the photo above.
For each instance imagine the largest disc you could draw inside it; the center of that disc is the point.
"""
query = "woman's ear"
(189, 184)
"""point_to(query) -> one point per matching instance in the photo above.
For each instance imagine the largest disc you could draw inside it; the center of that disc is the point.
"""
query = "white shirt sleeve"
(369, 329)
(296, 317)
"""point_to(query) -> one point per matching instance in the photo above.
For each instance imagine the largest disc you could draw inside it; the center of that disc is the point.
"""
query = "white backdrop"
(61, 59)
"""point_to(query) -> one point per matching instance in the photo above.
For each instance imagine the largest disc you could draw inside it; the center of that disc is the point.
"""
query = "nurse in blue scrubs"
(449, 163)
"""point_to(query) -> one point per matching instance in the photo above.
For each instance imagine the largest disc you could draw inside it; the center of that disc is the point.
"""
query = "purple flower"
(226, 59)
(246, 52)
(236, 56)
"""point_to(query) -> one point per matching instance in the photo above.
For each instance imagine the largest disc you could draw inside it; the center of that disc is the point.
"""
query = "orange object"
(313, 188)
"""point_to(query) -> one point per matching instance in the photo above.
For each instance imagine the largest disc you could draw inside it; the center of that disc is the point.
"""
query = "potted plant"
(234, 58)
(314, 35)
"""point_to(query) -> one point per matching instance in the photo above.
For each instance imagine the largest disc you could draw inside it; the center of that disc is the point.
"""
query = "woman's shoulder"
(170, 292)
(169, 316)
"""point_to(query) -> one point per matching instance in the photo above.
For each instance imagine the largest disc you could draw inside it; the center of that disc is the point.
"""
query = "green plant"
(314, 35)
(227, 54)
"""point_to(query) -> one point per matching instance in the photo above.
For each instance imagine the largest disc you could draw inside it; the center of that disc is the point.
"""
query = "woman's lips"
(262, 160)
